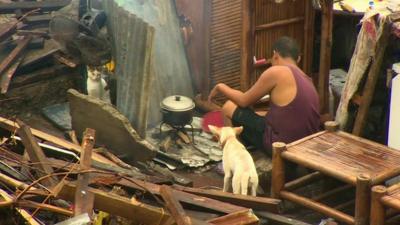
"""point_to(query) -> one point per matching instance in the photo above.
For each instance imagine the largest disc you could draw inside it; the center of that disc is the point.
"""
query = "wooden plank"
(372, 78)
(138, 212)
(245, 217)
(279, 220)
(279, 23)
(7, 76)
(325, 55)
(45, 6)
(83, 199)
(8, 30)
(13, 126)
(36, 154)
(174, 207)
(13, 56)
(256, 203)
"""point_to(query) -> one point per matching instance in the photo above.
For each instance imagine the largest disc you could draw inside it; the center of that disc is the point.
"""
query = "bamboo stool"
(383, 199)
(358, 162)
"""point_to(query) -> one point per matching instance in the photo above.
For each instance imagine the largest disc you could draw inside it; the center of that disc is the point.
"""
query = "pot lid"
(177, 103)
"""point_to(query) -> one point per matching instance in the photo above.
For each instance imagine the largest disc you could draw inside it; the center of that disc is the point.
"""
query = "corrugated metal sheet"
(132, 23)
(225, 42)
(133, 51)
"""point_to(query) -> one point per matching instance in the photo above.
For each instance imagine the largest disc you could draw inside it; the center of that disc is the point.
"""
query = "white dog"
(236, 161)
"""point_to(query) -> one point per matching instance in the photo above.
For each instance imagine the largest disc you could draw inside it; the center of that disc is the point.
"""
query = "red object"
(214, 118)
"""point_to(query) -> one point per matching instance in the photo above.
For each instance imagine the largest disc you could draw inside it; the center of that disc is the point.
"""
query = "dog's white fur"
(236, 161)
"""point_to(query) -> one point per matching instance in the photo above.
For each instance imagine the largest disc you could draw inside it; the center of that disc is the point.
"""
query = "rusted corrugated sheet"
(131, 23)
(133, 42)
(225, 42)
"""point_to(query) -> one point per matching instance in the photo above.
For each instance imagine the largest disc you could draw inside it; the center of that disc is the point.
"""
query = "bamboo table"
(381, 199)
(356, 161)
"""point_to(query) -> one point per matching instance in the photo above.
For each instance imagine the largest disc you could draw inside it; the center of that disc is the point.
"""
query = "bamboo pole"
(278, 169)
(363, 185)
(332, 192)
(317, 207)
(377, 208)
(325, 54)
(302, 181)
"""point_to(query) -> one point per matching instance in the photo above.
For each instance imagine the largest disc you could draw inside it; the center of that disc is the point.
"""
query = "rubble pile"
(47, 180)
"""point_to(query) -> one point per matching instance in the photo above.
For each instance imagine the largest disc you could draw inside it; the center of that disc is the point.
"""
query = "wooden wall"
(237, 30)
(272, 21)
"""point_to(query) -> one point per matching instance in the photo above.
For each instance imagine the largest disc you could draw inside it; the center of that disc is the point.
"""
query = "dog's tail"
(244, 183)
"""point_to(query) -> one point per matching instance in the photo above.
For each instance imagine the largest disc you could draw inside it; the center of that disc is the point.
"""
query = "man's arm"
(263, 86)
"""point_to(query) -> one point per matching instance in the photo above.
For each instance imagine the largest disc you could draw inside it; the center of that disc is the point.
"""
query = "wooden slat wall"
(272, 21)
(225, 42)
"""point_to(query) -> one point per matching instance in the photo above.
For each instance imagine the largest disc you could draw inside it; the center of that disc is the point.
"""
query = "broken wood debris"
(140, 198)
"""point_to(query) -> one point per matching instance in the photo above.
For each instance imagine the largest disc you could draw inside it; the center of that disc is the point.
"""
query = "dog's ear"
(215, 130)
(238, 130)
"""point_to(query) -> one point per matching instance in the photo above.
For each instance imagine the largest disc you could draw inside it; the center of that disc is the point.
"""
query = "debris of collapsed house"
(61, 178)
(116, 165)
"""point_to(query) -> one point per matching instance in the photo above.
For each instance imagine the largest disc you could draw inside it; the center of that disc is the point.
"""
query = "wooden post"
(205, 85)
(331, 126)
(325, 55)
(377, 208)
(278, 169)
(84, 199)
(246, 50)
(309, 15)
(363, 190)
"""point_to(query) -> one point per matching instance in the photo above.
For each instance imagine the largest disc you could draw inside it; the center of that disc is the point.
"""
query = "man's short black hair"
(286, 47)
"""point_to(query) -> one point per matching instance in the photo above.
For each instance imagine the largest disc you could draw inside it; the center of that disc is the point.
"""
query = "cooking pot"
(177, 110)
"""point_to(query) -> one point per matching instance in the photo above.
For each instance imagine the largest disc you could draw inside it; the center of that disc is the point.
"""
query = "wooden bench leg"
(363, 190)
(278, 169)
(377, 208)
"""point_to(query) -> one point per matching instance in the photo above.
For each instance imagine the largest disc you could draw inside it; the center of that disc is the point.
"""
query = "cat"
(97, 86)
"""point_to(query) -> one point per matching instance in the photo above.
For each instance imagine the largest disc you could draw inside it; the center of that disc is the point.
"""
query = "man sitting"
(294, 103)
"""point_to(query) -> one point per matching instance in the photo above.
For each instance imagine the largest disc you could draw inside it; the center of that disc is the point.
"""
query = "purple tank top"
(296, 120)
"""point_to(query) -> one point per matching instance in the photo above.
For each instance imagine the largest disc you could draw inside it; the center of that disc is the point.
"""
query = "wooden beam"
(256, 203)
(45, 6)
(174, 207)
(83, 198)
(138, 212)
(325, 55)
(36, 154)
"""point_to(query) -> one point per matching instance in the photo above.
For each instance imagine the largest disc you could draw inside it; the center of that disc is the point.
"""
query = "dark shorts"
(253, 126)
